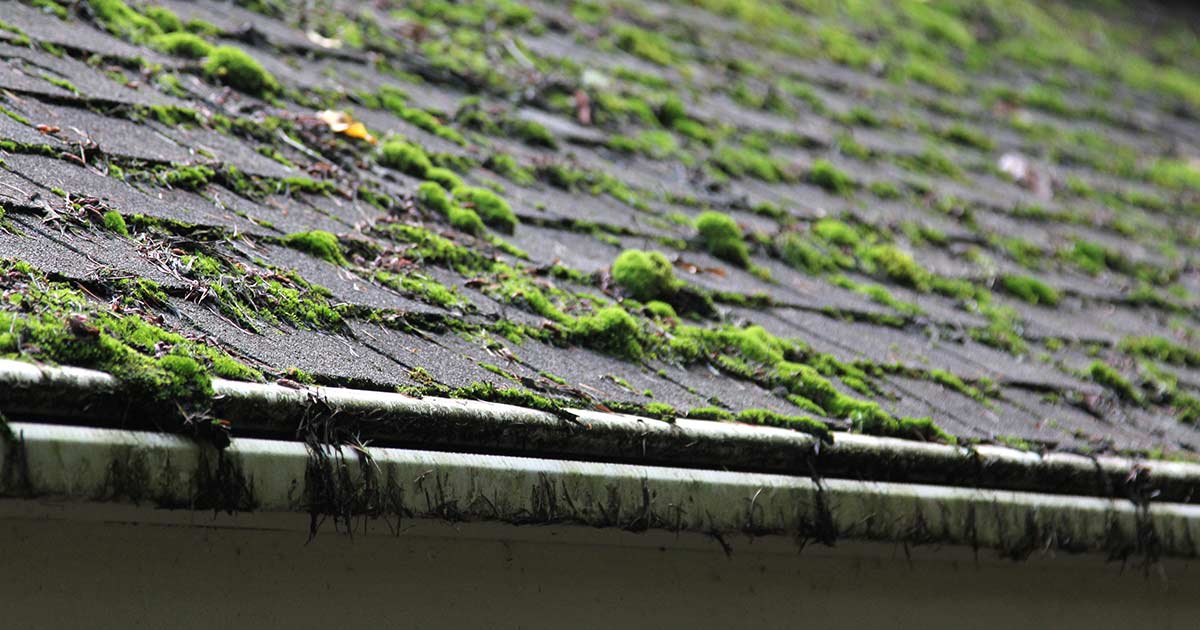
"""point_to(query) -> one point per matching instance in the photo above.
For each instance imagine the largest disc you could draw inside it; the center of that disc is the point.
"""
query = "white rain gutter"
(598, 469)
(87, 397)
(51, 462)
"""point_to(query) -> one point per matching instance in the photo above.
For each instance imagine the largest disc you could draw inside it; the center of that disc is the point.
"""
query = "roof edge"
(93, 398)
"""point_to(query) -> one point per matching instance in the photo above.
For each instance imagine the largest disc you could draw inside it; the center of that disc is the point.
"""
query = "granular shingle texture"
(875, 214)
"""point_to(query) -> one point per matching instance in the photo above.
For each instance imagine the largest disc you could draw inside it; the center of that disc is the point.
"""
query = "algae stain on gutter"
(356, 488)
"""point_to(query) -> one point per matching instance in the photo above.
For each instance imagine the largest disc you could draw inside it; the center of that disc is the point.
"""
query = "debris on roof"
(953, 222)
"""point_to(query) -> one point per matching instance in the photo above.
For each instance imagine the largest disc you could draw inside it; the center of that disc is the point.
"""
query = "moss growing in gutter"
(48, 320)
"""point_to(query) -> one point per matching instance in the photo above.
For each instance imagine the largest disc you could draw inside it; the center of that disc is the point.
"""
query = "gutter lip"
(357, 488)
(265, 410)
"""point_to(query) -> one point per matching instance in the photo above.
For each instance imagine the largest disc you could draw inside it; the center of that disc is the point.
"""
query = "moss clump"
(491, 208)
(115, 223)
(824, 174)
(799, 253)
(123, 21)
(531, 133)
(710, 413)
(236, 68)
(660, 310)
(1031, 290)
(804, 424)
(182, 45)
(899, 266)
(837, 233)
(434, 197)
(466, 220)
(444, 177)
(319, 243)
(610, 330)
(188, 177)
(405, 157)
(164, 18)
(1161, 349)
(645, 275)
(743, 162)
(1108, 376)
(722, 238)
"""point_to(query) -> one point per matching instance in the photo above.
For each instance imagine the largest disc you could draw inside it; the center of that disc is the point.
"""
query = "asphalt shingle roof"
(943, 214)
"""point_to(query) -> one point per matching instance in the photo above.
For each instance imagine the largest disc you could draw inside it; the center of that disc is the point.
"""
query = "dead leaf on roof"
(322, 41)
(697, 269)
(343, 123)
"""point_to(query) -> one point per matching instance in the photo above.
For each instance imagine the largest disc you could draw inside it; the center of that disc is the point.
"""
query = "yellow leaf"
(343, 123)
(359, 131)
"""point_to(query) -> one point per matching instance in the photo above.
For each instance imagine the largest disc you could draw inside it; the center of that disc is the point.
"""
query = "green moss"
(494, 211)
(114, 222)
(837, 233)
(1161, 349)
(897, 265)
(188, 177)
(445, 177)
(884, 190)
(645, 275)
(236, 68)
(182, 45)
(506, 165)
(648, 45)
(744, 162)
(428, 122)
(804, 424)
(610, 330)
(799, 253)
(827, 176)
(1031, 290)
(466, 220)
(123, 21)
(434, 197)
(952, 381)
(1108, 376)
(50, 6)
(1175, 174)
(967, 136)
(660, 310)
(319, 243)
(722, 237)
(405, 157)
(166, 19)
(531, 133)
(61, 82)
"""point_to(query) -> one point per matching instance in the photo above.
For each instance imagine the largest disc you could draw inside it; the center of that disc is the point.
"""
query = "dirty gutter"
(355, 487)
(86, 397)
